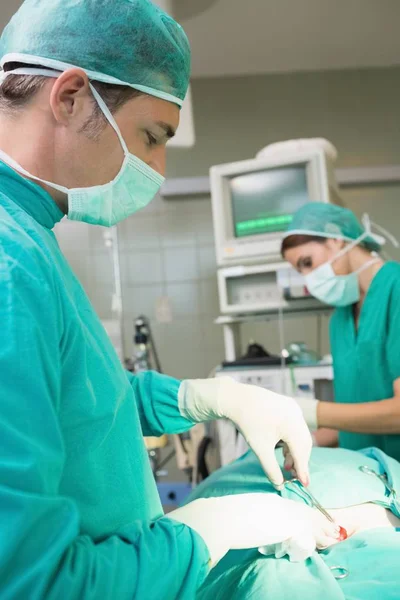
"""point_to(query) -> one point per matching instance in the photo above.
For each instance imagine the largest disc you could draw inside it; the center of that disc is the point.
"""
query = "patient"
(363, 567)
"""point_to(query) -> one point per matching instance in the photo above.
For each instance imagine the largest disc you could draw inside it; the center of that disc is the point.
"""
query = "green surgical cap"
(127, 42)
(330, 221)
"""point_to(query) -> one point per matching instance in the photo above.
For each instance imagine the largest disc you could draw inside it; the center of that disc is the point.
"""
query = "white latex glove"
(263, 417)
(255, 520)
(309, 409)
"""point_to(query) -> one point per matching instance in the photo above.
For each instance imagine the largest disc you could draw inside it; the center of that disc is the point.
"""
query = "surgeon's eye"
(307, 264)
(304, 264)
(152, 141)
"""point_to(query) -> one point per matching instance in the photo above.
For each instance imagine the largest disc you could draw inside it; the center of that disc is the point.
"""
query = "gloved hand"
(263, 417)
(289, 464)
(255, 520)
(309, 408)
(322, 437)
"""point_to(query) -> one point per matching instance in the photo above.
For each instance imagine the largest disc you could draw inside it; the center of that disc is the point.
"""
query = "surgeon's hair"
(298, 239)
(17, 91)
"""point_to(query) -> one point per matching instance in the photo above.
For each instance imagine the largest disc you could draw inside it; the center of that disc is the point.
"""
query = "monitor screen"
(265, 201)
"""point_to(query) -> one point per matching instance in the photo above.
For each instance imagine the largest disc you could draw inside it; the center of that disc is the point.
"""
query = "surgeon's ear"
(70, 97)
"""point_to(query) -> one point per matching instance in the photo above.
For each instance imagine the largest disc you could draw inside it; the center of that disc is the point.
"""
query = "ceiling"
(7, 9)
(233, 37)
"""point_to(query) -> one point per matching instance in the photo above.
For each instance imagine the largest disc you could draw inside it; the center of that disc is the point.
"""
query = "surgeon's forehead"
(161, 112)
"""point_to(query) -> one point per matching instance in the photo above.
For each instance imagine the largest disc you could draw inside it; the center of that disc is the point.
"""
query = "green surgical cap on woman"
(330, 221)
(126, 42)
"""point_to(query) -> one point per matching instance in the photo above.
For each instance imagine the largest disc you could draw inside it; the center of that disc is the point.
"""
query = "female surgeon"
(342, 267)
(90, 93)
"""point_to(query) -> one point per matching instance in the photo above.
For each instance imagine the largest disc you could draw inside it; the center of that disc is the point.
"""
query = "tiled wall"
(167, 251)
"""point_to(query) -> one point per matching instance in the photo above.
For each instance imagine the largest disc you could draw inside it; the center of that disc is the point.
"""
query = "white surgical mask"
(338, 290)
(132, 189)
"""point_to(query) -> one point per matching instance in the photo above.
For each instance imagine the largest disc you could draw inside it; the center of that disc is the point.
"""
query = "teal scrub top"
(79, 508)
(367, 361)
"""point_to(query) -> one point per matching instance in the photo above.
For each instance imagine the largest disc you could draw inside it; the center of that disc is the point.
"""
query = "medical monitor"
(254, 201)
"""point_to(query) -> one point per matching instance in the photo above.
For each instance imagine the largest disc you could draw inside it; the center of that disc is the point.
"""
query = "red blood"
(342, 534)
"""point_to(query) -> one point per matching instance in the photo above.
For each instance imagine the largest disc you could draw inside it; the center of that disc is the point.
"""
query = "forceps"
(312, 499)
(314, 502)
(383, 479)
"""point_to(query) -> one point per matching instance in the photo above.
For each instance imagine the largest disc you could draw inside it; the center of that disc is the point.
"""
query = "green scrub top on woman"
(366, 361)
(364, 330)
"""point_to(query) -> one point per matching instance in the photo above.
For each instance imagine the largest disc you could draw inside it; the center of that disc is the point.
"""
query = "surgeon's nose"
(158, 160)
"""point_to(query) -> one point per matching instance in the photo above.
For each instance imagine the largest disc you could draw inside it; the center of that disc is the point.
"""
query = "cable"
(166, 460)
(319, 335)
(282, 345)
(202, 469)
(154, 349)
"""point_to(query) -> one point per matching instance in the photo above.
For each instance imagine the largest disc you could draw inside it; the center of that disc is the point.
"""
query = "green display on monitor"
(263, 225)
(265, 201)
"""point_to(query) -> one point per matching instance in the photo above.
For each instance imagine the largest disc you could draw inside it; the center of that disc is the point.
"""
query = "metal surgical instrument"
(383, 479)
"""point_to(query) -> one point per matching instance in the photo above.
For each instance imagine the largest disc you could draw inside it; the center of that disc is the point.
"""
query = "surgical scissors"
(318, 506)
(312, 498)
(383, 478)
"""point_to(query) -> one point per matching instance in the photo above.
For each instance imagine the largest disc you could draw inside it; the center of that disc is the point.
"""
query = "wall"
(235, 117)
(167, 249)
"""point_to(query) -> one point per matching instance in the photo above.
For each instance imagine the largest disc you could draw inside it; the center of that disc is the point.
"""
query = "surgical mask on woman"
(338, 290)
(132, 189)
